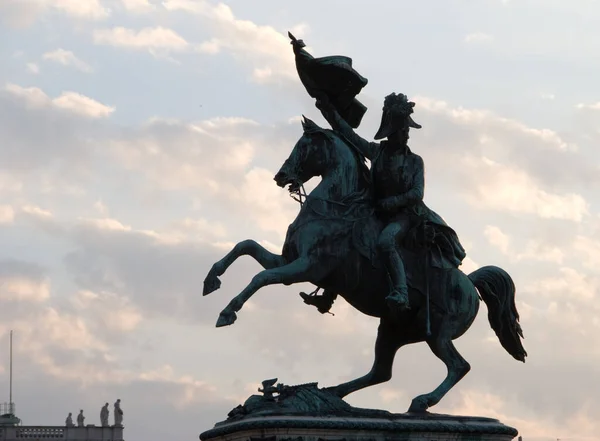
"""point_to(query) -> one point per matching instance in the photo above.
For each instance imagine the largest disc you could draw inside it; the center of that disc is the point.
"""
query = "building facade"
(47, 433)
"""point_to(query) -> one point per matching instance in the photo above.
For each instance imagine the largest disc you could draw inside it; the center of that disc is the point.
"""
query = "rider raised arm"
(339, 124)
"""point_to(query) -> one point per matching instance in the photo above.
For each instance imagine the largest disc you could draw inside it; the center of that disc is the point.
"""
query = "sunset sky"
(138, 144)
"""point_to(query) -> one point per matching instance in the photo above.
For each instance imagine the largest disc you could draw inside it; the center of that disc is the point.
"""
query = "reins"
(298, 194)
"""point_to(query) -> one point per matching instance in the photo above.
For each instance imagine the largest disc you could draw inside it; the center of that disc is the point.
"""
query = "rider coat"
(395, 170)
(398, 174)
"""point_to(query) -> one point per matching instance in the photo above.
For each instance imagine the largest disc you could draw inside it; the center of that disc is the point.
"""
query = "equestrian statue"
(365, 234)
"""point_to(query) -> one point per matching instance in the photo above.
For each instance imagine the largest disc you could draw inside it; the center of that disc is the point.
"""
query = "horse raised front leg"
(457, 367)
(300, 270)
(265, 258)
(386, 346)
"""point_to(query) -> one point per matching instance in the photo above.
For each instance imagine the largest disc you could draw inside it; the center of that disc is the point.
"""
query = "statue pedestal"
(400, 427)
(308, 413)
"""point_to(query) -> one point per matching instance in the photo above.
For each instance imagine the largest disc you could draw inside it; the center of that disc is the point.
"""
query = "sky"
(139, 140)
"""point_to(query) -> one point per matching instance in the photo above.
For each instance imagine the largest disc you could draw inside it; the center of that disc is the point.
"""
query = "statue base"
(429, 427)
(307, 413)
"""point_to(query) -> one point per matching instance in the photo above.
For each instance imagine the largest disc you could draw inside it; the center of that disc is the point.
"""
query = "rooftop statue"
(366, 235)
(118, 413)
(104, 412)
(80, 419)
(69, 420)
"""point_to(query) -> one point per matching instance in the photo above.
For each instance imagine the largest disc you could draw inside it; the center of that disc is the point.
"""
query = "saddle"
(427, 265)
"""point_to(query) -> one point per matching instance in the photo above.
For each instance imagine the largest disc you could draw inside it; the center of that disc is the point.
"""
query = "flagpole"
(11, 372)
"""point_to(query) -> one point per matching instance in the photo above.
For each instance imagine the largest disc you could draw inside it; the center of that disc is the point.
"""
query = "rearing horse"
(321, 248)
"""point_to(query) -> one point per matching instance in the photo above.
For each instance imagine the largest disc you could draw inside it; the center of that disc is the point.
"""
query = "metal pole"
(11, 373)
(426, 272)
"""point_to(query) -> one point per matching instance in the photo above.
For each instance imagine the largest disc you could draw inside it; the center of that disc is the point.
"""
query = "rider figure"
(398, 182)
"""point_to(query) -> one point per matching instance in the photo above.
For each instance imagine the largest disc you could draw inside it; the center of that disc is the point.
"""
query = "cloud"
(197, 154)
(504, 165)
(567, 280)
(163, 280)
(33, 96)
(70, 101)
(22, 281)
(106, 224)
(111, 310)
(198, 228)
(213, 158)
(217, 159)
(589, 251)
(263, 48)
(497, 238)
(183, 398)
(266, 50)
(23, 13)
(138, 6)
(59, 148)
(83, 105)
(507, 188)
(478, 37)
(533, 250)
(67, 58)
(68, 350)
(36, 211)
(576, 427)
(592, 106)
(7, 214)
(487, 120)
(89, 9)
(83, 344)
(153, 39)
(33, 68)
(108, 259)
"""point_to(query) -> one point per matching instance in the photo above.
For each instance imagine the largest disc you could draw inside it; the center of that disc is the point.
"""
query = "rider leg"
(387, 244)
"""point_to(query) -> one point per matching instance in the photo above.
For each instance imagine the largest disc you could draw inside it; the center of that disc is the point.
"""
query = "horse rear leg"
(386, 346)
(265, 258)
(300, 270)
(457, 367)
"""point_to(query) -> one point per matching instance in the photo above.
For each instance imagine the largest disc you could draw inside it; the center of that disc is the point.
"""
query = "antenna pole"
(11, 361)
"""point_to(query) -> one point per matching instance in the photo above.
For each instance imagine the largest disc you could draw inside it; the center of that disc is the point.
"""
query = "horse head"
(308, 159)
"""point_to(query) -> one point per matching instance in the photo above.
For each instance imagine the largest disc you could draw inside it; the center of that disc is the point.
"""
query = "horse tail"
(497, 290)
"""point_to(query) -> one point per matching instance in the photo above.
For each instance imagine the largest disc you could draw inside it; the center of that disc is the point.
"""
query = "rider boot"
(322, 302)
(398, 297)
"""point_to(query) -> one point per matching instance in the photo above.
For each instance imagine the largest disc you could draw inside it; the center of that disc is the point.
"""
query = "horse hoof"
(418, 405)
(226, 319)
(211, 284)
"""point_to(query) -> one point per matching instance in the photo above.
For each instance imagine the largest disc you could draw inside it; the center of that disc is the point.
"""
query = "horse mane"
(311, 128)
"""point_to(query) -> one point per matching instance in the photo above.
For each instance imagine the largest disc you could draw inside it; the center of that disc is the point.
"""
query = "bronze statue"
(398, 182)
(359, 225)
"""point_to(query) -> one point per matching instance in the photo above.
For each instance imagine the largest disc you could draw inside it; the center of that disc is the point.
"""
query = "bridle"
(298, 194)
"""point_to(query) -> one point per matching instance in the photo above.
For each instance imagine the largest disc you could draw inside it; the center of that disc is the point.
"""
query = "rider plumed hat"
(396, 115)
